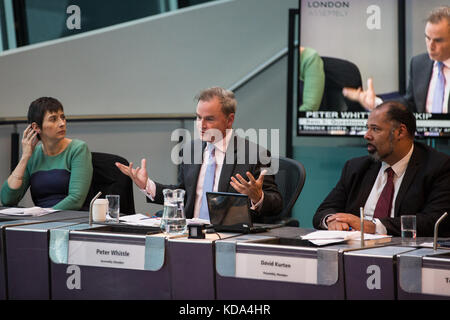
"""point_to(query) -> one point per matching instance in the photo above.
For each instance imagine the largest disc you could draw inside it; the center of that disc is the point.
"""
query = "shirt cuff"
(324, 221)
(257, 206)
(379, 227)
(150, 190)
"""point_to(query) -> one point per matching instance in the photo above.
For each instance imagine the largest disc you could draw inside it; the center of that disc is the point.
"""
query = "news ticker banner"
(344, 123)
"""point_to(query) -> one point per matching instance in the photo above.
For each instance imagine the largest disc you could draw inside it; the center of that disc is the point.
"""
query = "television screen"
(346, 43)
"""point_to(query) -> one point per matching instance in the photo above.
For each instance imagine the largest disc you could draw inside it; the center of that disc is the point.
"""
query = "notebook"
(229, 212)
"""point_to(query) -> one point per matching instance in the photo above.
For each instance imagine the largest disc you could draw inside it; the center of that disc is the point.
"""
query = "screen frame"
(402, 76)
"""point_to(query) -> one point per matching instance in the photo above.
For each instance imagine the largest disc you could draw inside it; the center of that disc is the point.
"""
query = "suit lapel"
(411, 171)
(192, 171)
(228, 165)
(192, 175)
(424, 73)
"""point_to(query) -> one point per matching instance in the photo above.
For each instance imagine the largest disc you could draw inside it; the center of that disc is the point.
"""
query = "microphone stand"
(361, 213)
(91, 205)
(436, 227)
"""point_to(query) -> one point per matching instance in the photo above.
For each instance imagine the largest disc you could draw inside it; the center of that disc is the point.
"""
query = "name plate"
(276, 268)
(110, 255)
(436, 281)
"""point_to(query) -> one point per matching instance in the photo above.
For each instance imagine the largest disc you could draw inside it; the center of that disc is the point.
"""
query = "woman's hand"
(29, 142)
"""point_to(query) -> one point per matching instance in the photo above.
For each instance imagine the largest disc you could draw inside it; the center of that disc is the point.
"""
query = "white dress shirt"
(219, 154)
(399, 169)
(433, 85)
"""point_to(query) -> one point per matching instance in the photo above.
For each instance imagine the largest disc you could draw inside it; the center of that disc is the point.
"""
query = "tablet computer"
(230, 212)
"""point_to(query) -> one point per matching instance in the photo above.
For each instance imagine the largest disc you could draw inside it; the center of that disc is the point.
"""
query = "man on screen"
(227, 159)
(429, 80)
(399, 177)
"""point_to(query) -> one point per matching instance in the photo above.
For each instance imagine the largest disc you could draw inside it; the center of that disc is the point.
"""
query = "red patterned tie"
(384, 204)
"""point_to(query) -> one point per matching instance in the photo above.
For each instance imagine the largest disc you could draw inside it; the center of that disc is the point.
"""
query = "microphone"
(436, 227)
(361, 213)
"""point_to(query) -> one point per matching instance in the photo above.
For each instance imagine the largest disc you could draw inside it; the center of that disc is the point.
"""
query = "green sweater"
(313, 77)
(60, 181)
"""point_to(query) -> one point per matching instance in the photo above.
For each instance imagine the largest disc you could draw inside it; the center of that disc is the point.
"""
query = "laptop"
(229, 212)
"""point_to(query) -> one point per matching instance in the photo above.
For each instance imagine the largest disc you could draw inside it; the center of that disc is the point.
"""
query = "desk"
(7, 222)
(27, 259)
(278, 265)
(424, 274)
(3, 268)
(192, 266)
(123, 262)
(370, 273)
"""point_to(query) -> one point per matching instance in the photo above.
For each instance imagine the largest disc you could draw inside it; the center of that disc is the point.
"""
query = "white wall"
(150, 66)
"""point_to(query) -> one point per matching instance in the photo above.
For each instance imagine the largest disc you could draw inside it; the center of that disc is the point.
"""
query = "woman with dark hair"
(59, 170)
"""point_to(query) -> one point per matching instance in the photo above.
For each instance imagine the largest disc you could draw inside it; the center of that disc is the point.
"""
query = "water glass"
(113, 206)
(409, 229)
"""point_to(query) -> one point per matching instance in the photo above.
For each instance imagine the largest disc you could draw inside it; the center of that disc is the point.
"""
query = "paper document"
(324, 237)
(33, 211)
(140, 219)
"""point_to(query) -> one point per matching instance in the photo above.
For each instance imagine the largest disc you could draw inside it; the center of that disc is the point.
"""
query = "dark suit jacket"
(421, 69)
(425, 191)
(188, 176)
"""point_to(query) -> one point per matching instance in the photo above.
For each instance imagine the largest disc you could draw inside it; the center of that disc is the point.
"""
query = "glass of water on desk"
(113, 206)
(409, 229)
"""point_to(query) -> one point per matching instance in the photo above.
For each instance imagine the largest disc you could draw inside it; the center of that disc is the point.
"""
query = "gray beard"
(376, 157)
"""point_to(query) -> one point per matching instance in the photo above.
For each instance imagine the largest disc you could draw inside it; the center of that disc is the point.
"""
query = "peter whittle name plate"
(111, 255)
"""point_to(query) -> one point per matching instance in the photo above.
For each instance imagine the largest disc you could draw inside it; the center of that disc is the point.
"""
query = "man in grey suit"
(398, 177)
(425, 71)
(233, 159)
